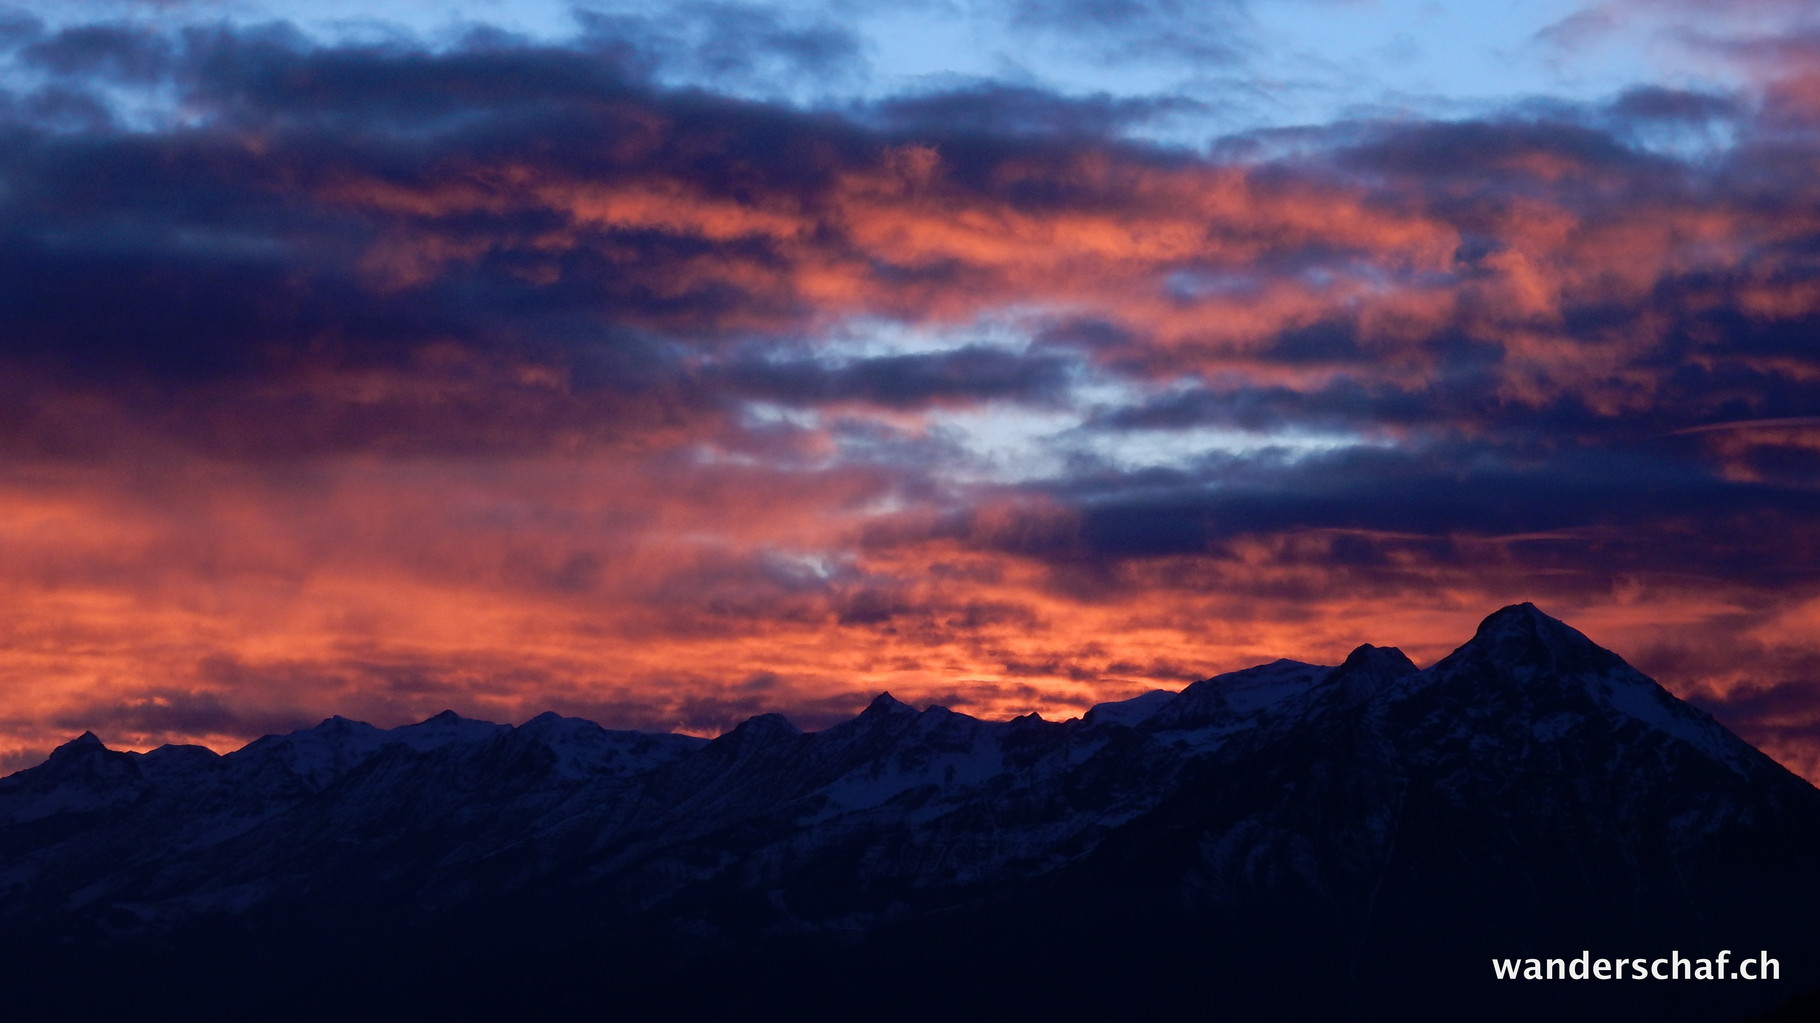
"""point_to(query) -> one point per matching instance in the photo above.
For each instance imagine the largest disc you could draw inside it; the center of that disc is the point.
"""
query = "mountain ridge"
(1529, 788)
(1520, 626)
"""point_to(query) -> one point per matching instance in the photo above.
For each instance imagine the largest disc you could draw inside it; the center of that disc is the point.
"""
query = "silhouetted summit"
(1521, 636)
(1381, 663)
(885, 703)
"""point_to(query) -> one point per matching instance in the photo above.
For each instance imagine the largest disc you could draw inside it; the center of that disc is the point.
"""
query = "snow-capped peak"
(1521, 636)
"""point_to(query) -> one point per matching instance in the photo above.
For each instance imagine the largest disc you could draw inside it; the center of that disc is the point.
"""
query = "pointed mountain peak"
(1525, 622)
(87, 760)
(1521, 634)
(447, 717)
(885, 703)
(1518, 616)
(87, 742)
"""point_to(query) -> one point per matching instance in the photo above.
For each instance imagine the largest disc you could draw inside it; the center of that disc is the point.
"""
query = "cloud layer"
(373, 378)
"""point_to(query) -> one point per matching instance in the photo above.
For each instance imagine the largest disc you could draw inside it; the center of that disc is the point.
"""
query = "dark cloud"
(18, 27)
(196, 258)
(1137, 30)
(964, 375)
(100, 52)
(739, 47)
(995, 110)
(1579, 29)
(342, 211)
(1785, 708)
(1654, 103)
(149, 716)
(1431, 493)
(1343, 404)
(346, 209)
(1502, 154)
(1766, 693)
(1371, 510)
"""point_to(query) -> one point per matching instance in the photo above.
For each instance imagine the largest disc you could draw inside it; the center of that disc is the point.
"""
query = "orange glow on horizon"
(213, 611)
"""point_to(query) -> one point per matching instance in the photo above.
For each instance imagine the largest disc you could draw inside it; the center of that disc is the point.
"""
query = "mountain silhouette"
(1288, 841)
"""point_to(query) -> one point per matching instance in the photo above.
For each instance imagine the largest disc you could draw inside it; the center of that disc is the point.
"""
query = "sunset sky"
(668, 363)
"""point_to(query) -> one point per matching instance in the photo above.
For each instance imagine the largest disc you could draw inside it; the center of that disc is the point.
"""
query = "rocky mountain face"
(1288, 841)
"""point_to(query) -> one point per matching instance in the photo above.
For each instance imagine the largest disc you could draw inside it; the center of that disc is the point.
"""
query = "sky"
(669, 364)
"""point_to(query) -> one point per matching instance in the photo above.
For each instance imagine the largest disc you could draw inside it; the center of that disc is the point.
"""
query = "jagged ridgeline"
(1288, 841)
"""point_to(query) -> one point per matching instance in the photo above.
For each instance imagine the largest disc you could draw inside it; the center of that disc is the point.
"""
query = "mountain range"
(1288, 841)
